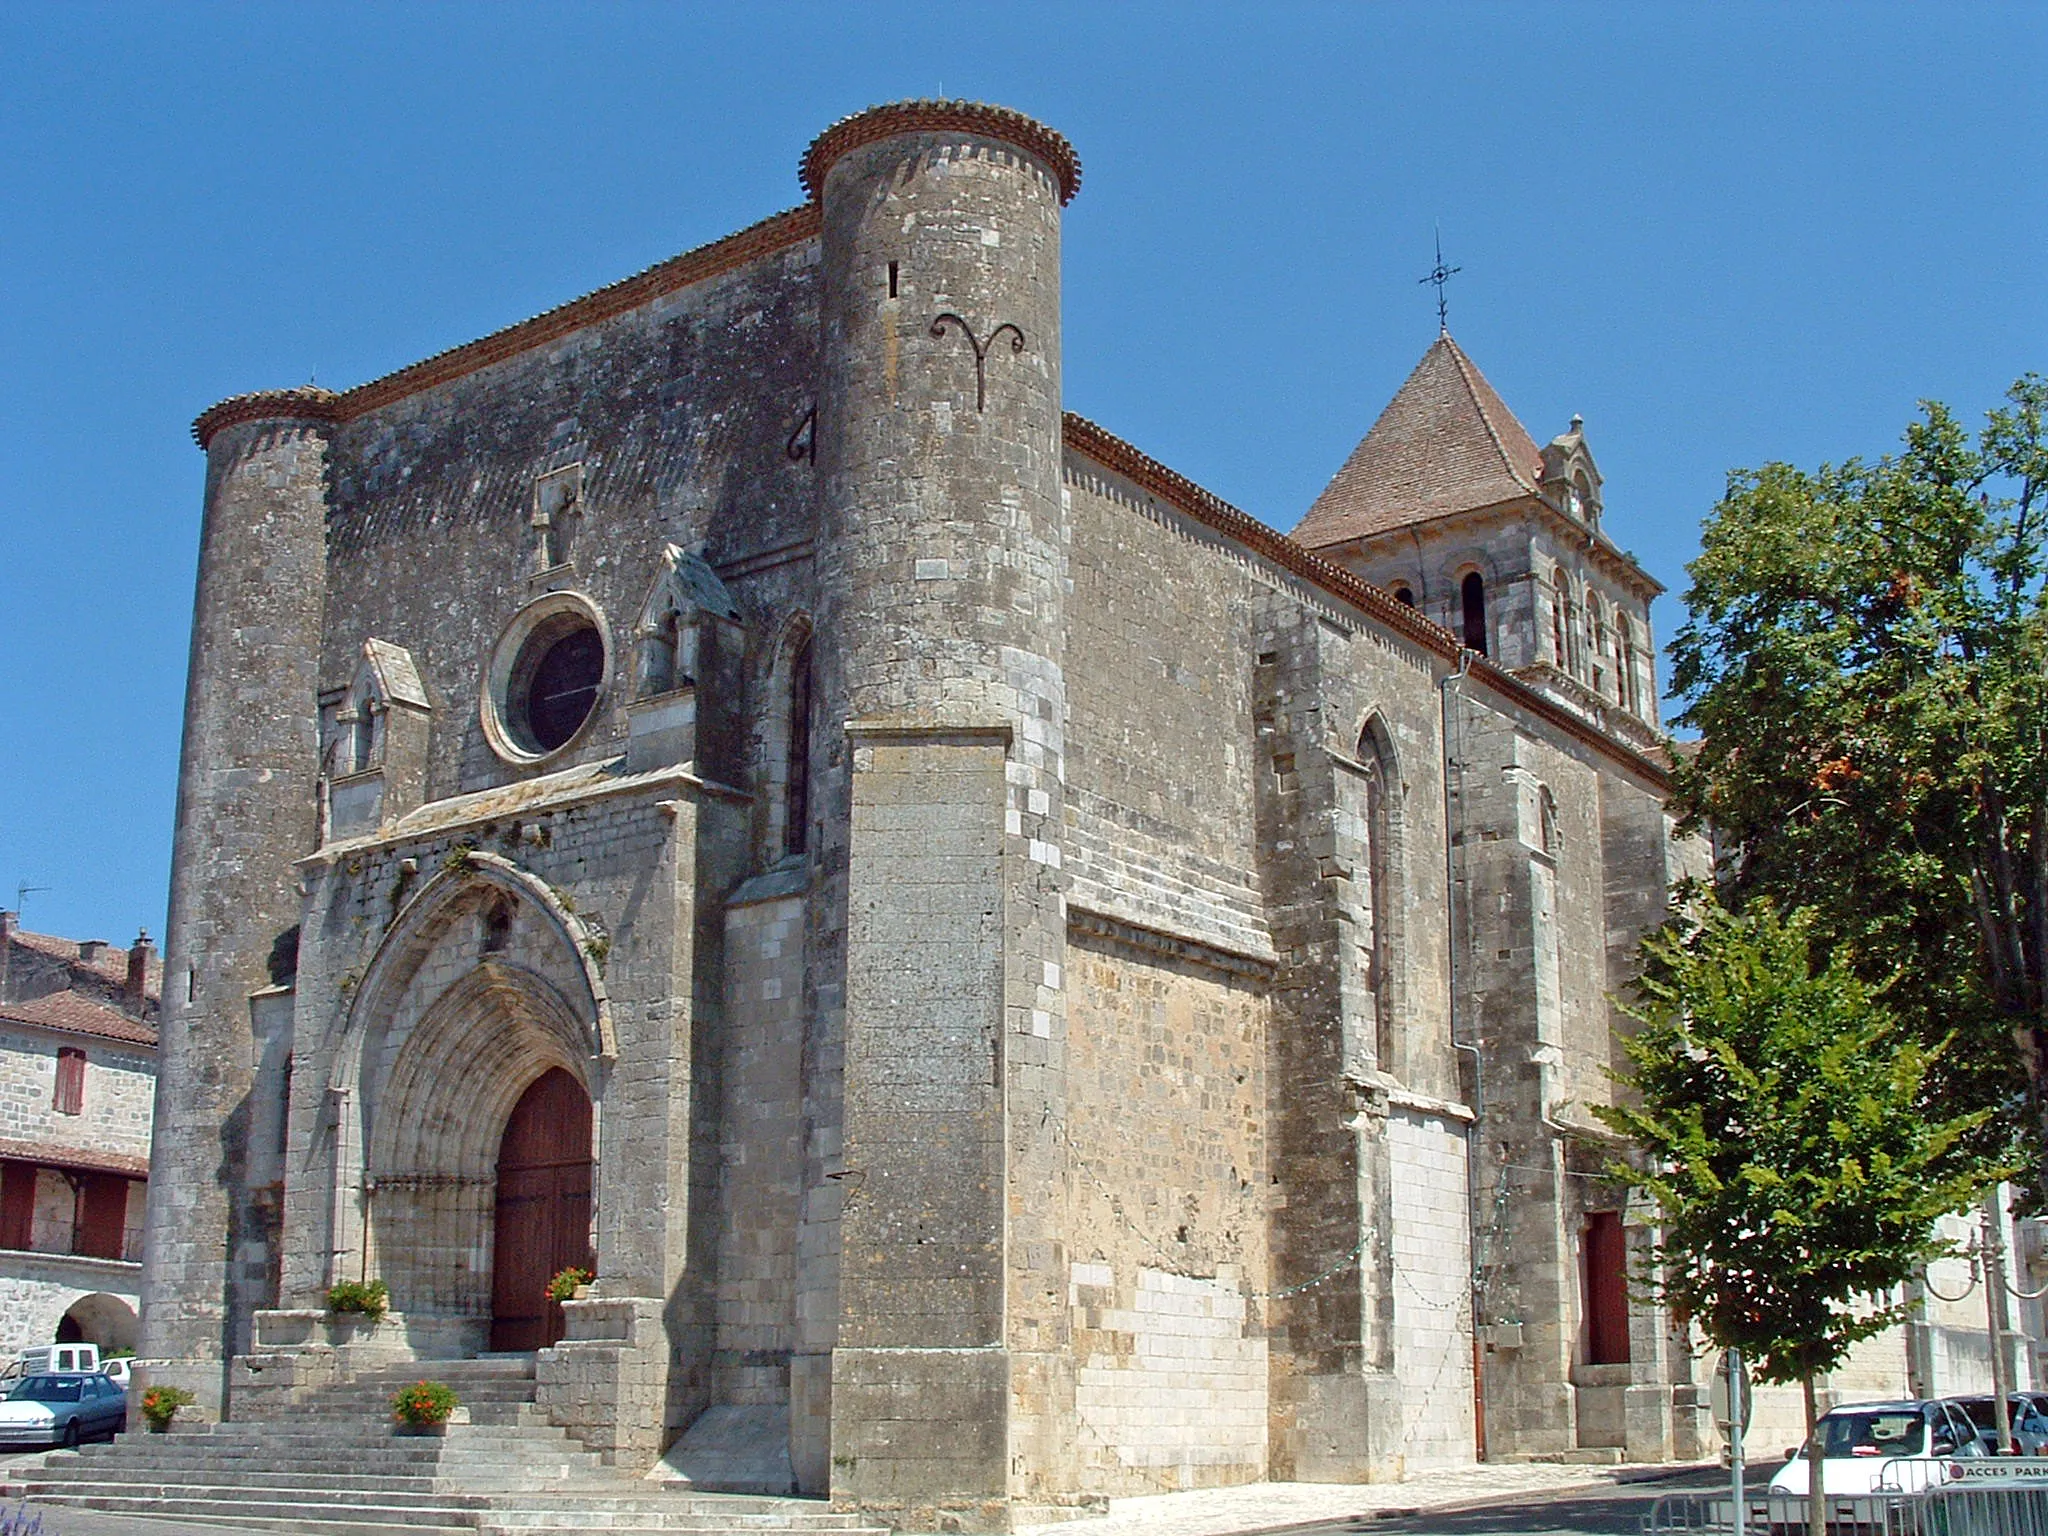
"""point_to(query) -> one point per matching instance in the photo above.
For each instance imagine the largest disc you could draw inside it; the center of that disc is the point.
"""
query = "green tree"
(1866, 659)
(1780, 1116)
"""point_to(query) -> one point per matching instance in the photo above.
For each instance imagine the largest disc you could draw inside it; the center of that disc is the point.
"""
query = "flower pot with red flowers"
(423, 1408)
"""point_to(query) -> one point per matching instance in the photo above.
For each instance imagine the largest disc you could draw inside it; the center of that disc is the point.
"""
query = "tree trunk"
(1816, 1483)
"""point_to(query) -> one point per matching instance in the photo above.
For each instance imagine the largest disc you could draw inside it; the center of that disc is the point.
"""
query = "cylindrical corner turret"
(941, 564)
(246, 810)
(938, 435)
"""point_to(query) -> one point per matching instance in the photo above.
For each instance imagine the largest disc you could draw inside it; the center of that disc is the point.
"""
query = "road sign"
(1717, 1396)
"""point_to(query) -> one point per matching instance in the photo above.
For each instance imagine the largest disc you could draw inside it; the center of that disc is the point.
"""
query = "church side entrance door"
(543, 1223)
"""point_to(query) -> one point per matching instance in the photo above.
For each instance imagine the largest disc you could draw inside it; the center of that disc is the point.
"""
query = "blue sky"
(1725, 234)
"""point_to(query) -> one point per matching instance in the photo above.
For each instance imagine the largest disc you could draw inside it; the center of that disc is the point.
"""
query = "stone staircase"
(335, 1467)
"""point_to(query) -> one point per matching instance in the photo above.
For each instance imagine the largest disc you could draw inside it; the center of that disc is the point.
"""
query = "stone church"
(1021, 981)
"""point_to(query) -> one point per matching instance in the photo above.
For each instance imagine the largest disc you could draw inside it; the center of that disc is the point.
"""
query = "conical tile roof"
(1445, 443)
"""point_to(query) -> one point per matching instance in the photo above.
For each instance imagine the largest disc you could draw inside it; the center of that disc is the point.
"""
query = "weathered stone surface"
(1077, 996)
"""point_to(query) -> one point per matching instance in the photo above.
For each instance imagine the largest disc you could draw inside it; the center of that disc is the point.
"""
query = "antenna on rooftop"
(22, 893)
(1439, 275)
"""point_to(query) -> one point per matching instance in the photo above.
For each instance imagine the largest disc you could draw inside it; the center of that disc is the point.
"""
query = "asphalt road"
(1612, 1511)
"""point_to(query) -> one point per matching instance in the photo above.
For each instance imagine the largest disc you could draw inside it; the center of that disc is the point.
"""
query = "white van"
(46, 1358)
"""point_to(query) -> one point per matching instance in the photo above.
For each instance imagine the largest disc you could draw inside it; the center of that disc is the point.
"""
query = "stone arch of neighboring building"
(103, 1319)
(485, 983)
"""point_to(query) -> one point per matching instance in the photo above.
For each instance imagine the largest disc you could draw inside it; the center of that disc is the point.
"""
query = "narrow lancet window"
(797, 797)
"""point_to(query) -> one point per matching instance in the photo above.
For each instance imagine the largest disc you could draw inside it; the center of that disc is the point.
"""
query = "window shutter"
(70, 1080)
(104, 1217)
(17, 1204)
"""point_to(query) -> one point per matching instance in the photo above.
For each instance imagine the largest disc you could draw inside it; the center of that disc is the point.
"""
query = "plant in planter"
(567, 1282)
(160, 1405)
(367, 1299)
(425, 1405)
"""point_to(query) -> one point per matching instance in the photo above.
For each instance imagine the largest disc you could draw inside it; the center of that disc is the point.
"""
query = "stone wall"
(1431, 1222)
(760, 1149)
(120, 1088)
(1168, 1229)
(1161, 745)
(673, 418)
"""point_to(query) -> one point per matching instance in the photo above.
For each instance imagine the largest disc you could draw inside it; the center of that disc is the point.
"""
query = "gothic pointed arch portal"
(492, 1068)
(480, 994)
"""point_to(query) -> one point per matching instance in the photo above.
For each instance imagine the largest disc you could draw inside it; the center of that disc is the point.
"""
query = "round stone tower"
(246, 809)
(941, 564)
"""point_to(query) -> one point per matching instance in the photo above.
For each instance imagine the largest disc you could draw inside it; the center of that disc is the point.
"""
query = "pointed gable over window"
(1446, 443)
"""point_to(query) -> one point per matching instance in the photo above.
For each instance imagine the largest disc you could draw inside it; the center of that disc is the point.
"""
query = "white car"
(1896, 1447)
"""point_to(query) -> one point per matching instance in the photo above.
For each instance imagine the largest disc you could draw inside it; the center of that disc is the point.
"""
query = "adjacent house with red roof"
(77, 1085)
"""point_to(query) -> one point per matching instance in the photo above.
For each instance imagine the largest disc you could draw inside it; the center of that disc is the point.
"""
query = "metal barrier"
(1961, 1499)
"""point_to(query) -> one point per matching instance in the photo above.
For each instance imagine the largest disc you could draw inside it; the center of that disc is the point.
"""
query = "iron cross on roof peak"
(1439, 275)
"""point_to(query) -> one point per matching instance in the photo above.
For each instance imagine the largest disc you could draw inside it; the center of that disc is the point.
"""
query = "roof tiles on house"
(1445, 443)
(72, 1013)
(111, 964)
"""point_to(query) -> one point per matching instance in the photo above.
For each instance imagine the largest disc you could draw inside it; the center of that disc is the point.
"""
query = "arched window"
(362, 738)
(796, 817)
(1403, 593)
(1472, 599)
(1378, 879)
(1557, 619)
(1368, 815)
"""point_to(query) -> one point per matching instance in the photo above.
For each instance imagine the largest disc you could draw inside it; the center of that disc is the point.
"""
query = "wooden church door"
(543, 1223)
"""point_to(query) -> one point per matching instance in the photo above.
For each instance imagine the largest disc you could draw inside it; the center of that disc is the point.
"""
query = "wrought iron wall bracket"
(803, 441)
(981, 350)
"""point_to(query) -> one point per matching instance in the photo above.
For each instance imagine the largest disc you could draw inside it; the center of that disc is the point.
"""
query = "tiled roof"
(90, 1159)
(112, 964)
(76, 1014)
(1445, 443)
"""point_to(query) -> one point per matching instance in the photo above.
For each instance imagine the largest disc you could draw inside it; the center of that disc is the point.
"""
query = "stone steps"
(349, 1513)
(333, 1466)
(310, 1519)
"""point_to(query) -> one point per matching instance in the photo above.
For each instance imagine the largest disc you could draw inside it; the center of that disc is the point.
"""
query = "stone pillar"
(246, 809)
(941, 623)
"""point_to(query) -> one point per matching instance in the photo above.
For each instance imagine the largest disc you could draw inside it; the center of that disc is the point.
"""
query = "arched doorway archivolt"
(441, 1114)
(428, 1071)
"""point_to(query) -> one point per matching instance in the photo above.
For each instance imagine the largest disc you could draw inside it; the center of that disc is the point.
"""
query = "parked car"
(1880, 1447)
(2028, 1424)
(62, 1409)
